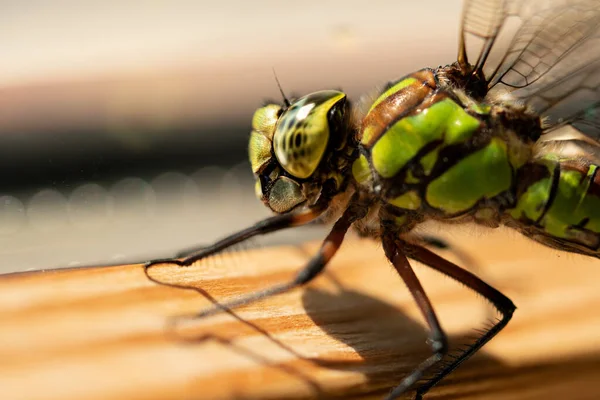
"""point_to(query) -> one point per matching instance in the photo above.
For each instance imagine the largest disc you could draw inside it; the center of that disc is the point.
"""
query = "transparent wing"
(570, 92)
(588, 122)
(585, 121)
(481, 22)
(571, 145)
(543, 53)
(514, 43)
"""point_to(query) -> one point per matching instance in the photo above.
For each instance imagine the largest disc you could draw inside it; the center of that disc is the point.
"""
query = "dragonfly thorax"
(429, 150)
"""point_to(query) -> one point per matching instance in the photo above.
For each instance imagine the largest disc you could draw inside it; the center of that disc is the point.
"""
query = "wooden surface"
(113, 333)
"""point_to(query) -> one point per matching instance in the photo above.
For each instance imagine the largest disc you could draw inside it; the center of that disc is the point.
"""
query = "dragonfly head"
(293, 149)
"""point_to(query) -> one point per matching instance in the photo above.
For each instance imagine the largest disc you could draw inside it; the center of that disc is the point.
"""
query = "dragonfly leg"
(441, 244)
(437, 338)
(272, 224)
(502, 303)
(314, 267)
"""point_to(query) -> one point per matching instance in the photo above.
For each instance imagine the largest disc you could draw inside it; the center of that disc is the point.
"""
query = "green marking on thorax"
(395, 88)
(572, 204)
(409, 200)
(400, 220)
(361, 171)
(474, 106)
(367, 134)
(480, 108)
(532, 202)
(410, 178)
(592, 204)
(429, 160)
(444, 120)
(482, 174)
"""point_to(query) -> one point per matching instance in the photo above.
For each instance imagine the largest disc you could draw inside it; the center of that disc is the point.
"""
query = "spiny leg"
(437, 337)
(442, 244)
(315, 266)
(502, 303)
(271, 224)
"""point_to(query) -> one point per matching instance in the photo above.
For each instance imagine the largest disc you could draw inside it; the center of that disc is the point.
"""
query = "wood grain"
(114, 333)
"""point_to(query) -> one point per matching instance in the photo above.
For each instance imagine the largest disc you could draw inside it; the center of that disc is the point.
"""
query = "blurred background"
(123, 125)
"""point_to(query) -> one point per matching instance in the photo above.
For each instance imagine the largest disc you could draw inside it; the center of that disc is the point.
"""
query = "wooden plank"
(112, 333)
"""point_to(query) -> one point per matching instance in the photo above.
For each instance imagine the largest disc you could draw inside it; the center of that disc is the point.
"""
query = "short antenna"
(286, 102)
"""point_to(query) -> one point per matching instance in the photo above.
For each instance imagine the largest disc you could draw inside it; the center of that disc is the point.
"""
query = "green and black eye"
(261, 138)
(303, 132)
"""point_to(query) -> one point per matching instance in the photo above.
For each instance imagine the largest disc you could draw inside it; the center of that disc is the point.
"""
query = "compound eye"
(302, 133)
(263, 128)
(265, 118)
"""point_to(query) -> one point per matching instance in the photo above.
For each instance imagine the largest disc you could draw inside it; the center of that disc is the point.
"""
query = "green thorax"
(429, 149)
(558, 203)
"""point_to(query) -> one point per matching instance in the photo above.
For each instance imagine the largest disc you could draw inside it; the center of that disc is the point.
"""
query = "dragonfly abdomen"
(558, 204)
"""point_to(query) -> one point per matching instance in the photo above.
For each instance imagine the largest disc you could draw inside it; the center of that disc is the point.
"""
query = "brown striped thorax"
(425, 142)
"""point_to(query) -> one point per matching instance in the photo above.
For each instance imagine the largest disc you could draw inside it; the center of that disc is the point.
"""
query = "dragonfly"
(508, 134)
